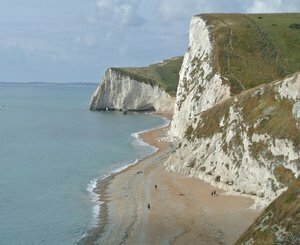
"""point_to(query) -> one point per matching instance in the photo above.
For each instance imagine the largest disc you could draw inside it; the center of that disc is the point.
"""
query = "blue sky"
(77, 40)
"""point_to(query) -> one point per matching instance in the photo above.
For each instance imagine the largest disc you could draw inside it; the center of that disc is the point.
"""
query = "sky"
(77, 40)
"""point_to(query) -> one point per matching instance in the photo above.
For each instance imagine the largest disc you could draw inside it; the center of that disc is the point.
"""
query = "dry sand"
(182, 209)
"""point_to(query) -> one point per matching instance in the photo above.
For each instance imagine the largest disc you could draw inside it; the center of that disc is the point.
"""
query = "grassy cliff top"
(164, 74)
(252, 49)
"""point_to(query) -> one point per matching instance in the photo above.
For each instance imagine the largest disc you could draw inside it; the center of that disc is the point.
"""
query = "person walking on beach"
(148, 206)
(155, 187)
(212, 193)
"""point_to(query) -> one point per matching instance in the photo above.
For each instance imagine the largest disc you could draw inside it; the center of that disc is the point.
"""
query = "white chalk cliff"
(238, 156)
(231, 151)
(119, 91)
(199, 88)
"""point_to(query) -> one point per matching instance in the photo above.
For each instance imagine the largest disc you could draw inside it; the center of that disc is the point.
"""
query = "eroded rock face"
(120, 92)
(199, 88)
(238, 144)
(231, 142)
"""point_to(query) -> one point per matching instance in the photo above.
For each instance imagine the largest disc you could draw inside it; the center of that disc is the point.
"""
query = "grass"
(276, 116)
(164, 74)
(253, 49)
(284, 175)
(277, 119)
(283, 212)
(210, 123)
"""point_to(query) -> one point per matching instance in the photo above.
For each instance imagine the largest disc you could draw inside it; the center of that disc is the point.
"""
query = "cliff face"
(238, 144)
(120, 92)
(200, 87)
(139, 88)
(234, 128)
(230, 53)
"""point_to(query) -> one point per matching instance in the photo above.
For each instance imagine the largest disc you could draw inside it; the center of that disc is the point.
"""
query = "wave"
(139, 141)
(95, 197)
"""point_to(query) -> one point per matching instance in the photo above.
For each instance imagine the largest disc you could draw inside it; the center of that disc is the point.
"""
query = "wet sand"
(182, 210)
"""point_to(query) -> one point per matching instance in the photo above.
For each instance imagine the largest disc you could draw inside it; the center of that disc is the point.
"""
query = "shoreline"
(123, 197)
(102, 182)
(92, 188)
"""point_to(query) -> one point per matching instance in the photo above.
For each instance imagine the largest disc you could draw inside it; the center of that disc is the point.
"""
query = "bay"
(51, 147)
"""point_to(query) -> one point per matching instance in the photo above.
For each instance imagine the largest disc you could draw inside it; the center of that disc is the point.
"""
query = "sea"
(52, 151)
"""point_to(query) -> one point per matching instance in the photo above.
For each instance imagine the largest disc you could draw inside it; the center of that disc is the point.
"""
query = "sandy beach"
(182, 210)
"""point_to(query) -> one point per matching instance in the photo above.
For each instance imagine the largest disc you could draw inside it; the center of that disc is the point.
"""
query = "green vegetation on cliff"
(252, 49)
(164, 74)
(261, 104)
(280, 221)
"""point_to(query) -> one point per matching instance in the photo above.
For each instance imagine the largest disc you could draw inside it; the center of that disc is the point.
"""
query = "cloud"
(122, 12)
(273, 6)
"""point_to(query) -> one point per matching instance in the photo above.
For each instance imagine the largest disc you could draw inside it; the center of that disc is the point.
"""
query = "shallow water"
(51, 147)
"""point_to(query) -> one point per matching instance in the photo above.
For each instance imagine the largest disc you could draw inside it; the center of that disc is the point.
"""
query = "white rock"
(284, 148)
(199, 87)
(119, 92)
(289, 88)
(227, 160)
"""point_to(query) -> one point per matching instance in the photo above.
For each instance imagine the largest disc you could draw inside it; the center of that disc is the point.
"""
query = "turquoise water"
(51, 147)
